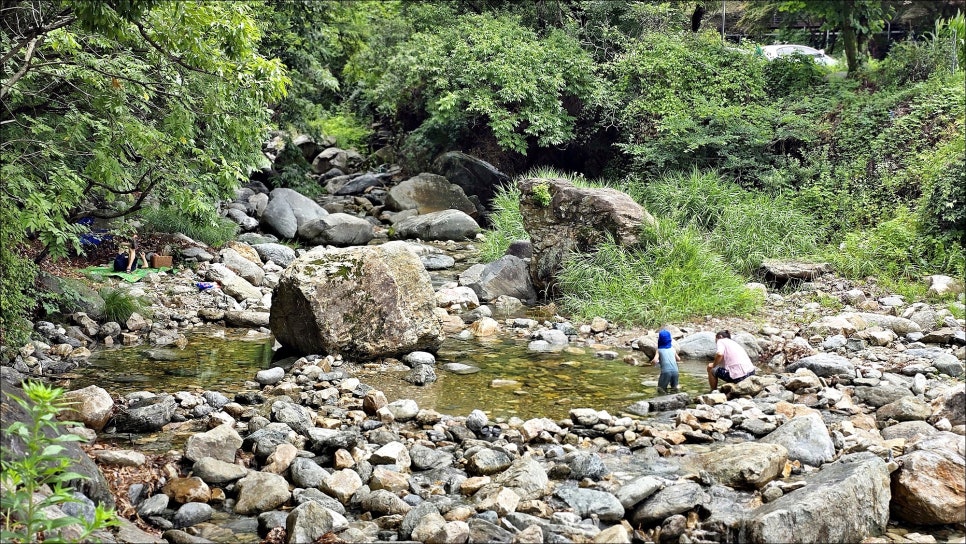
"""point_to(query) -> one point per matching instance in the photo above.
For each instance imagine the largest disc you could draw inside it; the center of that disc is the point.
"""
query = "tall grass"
(698, 198)
(119, 304)
(674, 276)
(214, 231)
(760, 227)
(889, 250)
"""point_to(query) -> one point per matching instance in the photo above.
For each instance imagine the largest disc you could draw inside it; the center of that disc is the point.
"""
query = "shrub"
(792, 75)
(16, 289)
(506, 223)
(212, 230)
(889, 250)
(347, 130)
(674, 276)
(42, 465)
(119, 304)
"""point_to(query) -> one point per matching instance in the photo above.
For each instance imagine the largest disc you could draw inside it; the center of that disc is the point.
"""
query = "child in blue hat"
(668, 358)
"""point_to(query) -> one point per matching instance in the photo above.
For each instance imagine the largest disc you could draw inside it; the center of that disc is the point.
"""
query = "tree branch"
(173, 58)
(28, 56)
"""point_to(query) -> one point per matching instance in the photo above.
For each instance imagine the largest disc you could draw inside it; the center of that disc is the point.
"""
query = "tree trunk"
(850, 40)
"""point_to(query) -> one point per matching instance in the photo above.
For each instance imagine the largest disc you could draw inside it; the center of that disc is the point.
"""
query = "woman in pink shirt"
(731, 362)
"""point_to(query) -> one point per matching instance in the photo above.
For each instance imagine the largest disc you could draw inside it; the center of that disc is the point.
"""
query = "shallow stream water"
(535, 384)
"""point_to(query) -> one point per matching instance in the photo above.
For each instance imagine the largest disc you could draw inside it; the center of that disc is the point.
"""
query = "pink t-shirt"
(736, 360)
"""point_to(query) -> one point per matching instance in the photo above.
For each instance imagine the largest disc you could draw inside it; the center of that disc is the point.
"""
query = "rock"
(310, 520)
(678, 498)
(908, 430)
(951, 405)
(806, 438)
(232, 284)
(261, 492)
(306, 473)
(246, 319)
(424, 458)
(587, 465)
(898, 325)
(587, 502)
(526, 476)
(847, 501)
(393, 453)
(216, 472)
(824, 365)
(153, 505)
(288, 210)
(748, 465)
(781, 272)
(192, 513)
(940, 285)
(403, 409)
(507, 276)
(930, 486)
(185, 490)
(487, 461)
(421, 375)
(907, 408)
(253, 273)
(147, 415)
(575, 219)
(443, 225)
(363, 302)
(337, 229)
(120, 458)
(630, 494)
(359, 184)
(427, 193)
(279, 254)
(478, 178)
(342, 484)
(91, 406)
(270, 376)
(880, 395)
(383, 503)
(944, 362)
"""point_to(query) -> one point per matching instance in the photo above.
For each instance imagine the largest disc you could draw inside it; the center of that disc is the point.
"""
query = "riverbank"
(838, 413)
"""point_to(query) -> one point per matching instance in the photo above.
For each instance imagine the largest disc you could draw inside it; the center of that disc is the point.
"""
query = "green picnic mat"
(108, 270)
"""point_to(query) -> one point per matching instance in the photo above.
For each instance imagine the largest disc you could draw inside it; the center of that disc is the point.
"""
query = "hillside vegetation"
(110, 109)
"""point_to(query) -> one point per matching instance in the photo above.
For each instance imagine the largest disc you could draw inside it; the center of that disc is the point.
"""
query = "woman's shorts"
(722, 373)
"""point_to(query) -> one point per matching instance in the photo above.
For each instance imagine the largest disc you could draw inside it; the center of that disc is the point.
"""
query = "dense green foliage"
(158, 109)
(120, 304)
(42, 469)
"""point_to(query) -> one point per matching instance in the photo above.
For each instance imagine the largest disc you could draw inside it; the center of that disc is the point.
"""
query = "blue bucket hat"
(663, 340)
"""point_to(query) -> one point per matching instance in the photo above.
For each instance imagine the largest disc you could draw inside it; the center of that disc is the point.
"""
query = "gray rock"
(824, 365)
(359, 184)
(261, 492)
(253, 273)
(413, 517)
(748, 465)
(270, 376)
(587, 502)
(928, 486)
(667, 403)
(806, 438)
(907, 408)
(880, 395)
(306, 473)
(337, 229)
(678, 498)
(488, 461)
(288, 210)
(632, 493)
(484, 531)
(310, 520)
(192, 513)
(383, 503)
(437, 262)
(587, 465)
(277, 253)
(429, 193)
(944, 362)
(424, 458)
(847, 501)
(443, 225)
(421, 375)
(477, 420)
(908, 430)
(216, 472)
(153, 505)
(461, 368)
(146, 416)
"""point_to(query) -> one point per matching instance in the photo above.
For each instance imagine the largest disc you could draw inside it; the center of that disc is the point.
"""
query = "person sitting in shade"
(128, 253)
(731, 362)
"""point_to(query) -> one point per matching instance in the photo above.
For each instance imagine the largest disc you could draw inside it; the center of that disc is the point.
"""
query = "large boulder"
(575, 219)
(288, 210)
(337, 229)
(91, 406)
(745, 465)
(847, 501)
(929, 488)
(824, 365)
(478, 178)
(427, 193)
(444, 225)
(781, 272)
(362, 301)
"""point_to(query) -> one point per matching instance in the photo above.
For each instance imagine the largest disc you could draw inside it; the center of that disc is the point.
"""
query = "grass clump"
(888, 250)
(120, 304)
(214, 231)
(673, 276)
(506, 223)
(698, 198)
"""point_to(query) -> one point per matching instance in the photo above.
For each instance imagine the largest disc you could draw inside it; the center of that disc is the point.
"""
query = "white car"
(772, 52)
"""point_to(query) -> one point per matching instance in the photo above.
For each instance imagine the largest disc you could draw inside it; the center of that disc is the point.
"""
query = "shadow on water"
(512, 381)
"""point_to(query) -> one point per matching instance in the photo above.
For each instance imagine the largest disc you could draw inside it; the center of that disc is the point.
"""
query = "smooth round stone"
(460, 368)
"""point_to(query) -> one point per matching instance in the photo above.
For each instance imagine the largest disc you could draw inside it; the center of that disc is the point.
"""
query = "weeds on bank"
(37, 480)
(119, 304)
(673, 276)
(214, 232)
